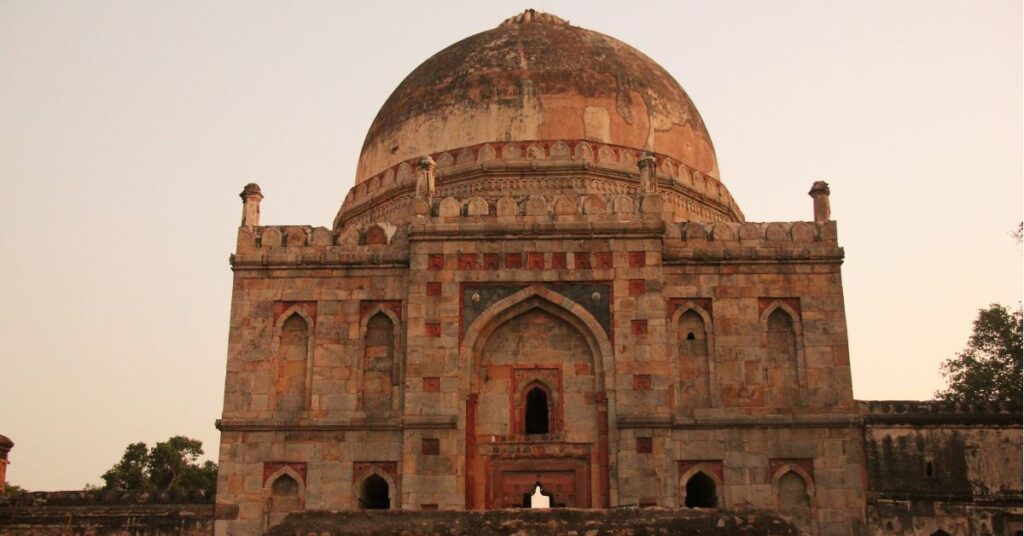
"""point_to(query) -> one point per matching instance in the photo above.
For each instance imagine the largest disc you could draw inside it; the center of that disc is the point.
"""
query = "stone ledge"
(743, 421)
(408, 422)
(555, 521)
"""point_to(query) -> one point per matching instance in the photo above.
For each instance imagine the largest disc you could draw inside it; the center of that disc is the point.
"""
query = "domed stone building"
(539, 284)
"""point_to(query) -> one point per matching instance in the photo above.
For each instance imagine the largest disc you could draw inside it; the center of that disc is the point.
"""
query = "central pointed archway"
(532, 349)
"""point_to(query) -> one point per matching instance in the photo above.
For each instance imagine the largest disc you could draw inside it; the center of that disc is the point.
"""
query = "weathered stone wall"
(617, 522)
(111, 513)
(940, 466)
(651, 340)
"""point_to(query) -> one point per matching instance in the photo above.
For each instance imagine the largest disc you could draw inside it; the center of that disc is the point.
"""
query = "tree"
(170, 465)
(989, 369)
(14, 490)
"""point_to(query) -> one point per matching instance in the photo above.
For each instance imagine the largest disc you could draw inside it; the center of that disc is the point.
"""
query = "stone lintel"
(687, 256)
(260, 261)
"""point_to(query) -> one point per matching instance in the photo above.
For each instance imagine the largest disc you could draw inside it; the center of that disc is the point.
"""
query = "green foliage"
(13, 490)
(170, 465)
(989, 369)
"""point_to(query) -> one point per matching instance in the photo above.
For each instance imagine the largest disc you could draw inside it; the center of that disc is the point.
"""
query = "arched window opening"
(940, 532)
(537, 412)
(781, 338)
(794, 500)
(694, 341)
(284, 498)
(929, 470)
(374, 494)
(378, 365)
(376, 236)
(700, 492)
(284, 486)
(290, 381)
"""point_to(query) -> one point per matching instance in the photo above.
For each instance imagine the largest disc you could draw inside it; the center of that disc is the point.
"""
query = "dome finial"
(534, 16)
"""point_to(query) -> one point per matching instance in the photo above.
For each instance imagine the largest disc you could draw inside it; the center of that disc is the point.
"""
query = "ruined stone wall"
(109, 513)
(939, 466)
(618, 522)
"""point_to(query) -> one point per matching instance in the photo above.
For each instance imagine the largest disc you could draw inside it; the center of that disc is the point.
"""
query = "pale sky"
(128, 128)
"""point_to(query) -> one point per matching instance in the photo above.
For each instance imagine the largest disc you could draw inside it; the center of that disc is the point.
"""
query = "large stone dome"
(535, 77)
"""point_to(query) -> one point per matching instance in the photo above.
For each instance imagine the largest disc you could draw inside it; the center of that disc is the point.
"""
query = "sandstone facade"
(583, 313)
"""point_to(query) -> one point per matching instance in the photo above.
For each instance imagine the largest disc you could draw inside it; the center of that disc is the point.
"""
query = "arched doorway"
(701, 492)
(374, 494)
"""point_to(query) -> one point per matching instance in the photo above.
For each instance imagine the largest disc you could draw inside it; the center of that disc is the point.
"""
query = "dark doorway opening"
(700, 492)
(374, 494)
(536, 411)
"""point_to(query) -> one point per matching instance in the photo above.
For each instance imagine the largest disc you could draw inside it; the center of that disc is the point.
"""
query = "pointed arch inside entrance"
(537, 413)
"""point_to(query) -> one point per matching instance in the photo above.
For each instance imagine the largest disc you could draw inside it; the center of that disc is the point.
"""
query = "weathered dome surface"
(535, 77)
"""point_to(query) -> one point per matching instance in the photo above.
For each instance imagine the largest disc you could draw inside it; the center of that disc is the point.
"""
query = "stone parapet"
(408, 422)
(492, 157)
(823, 420)
(107, 513)
(934, 412)
(690, 242)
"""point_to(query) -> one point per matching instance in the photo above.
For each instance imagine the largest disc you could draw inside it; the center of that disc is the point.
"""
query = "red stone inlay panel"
(641, 382)
(636, 287)
(433, 289)
(603, 260)
(644, 445)
(637, 259)
(581, 260)
(432, 384)
(513, 260)
(535, 261)
(435, 261)
(467, 261)
(639, 327)
(432, 329)
(558, 261)
(490, 261)
(431, 446)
